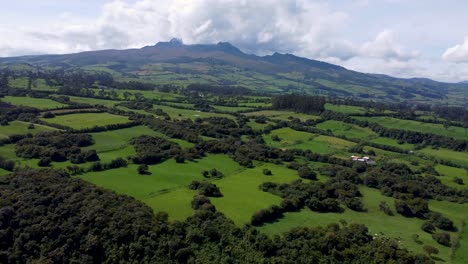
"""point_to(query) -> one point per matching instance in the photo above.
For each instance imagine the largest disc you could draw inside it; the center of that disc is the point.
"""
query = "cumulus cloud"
(386, 46)
(457, 53)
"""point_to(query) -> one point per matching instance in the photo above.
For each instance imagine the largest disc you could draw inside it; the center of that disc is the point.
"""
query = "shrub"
(44, 162)
(430, 250)
(267, 172)
(384, 207)
(31, 126)
(355, 204)
(142, 169)
(205, 188)
(458, 181)
(306, 173)
(416, 207)
(428, 227)
(48, 115)
(442, 238)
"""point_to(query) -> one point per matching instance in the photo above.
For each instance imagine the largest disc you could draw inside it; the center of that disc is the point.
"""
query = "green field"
(303, 140)
(231, 109)
(93, 101)
(348, 130)
(19, 127)
(39, 103)
(241, 195)
(87, 120)
(165, 177)
(437, 129)
(38, 84)
(177, 113)
(460, 158)
(346, 109)
(395, 226)
(281, 115)
(449, 173)
(392, 142)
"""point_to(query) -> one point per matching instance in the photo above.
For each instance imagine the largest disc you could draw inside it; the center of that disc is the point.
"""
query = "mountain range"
(225, 65)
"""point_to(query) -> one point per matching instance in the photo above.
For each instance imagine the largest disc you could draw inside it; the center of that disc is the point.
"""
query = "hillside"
(223, 64)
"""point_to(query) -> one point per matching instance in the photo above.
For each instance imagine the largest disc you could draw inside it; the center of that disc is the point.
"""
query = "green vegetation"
(87, 120)
(20, 128)
(39, 103)
(303, 140)
(392, 143)
(437, 129)
(347, 109)
(348, 130)
(241, 195)
(282, 115)
(460, 158)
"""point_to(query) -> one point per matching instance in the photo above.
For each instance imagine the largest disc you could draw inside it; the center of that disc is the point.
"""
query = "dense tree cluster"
(57, 146)
(152, 150)
(205, 188)
(299, 103)
(42, 219)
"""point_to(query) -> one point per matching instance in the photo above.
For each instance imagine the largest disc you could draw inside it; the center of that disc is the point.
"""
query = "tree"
(267, 172)
(428, 227)
(44, 162)
(31, 126)
(142, 169)
(442, 238)
(306, 173)
(430, 250)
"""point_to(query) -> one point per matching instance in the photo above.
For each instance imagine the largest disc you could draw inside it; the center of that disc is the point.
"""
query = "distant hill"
(223, 64)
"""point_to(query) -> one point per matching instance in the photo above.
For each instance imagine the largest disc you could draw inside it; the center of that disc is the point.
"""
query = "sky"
(403, 38)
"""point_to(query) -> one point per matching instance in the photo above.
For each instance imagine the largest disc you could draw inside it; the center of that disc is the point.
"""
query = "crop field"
(87, 120)
(348, 130)
(19, 128)
(395, 226)
(303, 140)
(39, 103)
(438, 129)
(241, 195)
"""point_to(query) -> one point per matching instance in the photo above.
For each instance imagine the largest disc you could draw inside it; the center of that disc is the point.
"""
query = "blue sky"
(405, 38)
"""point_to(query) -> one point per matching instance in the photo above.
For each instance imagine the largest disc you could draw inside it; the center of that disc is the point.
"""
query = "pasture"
(39, 103)
(178, 113)
(460, 158)
(242, 196)
(303, 140)
(392, 142)
(20, 128)
(93, 101)
(345, 129)
(165, 177)
(437, 129)
(346, 109)
(87, 120)
(281, 115)
(396, 226)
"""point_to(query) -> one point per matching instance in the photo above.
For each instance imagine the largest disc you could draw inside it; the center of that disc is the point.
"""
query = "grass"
(395, 226)
(93, 101)
(231, 109)
(460, 254)
(348, 130)
(4, 172)
(39, 103)
(460, 158)
(165, 177)
(392, 142)
(177, 113)
(176, 203)
(19, 127)
(281, 115)
(241, 195)
(303, 140)
(437, 129)
(347, 109)
(449, 173)
(257, 126)
(87, 120)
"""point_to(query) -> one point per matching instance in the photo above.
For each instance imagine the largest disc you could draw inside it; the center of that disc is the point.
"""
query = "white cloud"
(386, 46)
(457, 53)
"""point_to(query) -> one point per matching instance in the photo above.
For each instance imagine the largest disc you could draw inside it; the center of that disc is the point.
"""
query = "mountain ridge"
(174, 62)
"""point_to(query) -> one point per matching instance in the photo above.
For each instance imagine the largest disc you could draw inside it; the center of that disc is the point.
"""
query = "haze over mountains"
(225, 65)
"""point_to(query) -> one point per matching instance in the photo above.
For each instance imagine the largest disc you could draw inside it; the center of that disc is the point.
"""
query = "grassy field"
(257, 126)
(4, 172)
(165, 177)
(93, 101)
(281, 115)
(395, 226)
(87, 120)
(303, 140)
(38, 84)
(392, 142)
(438, 129)
(347, 109)
(241, 195)
(177, 113)
(39, 103)
(231, 109)
(460, 158)
(449, 173)
(348, 130)
(19, 127)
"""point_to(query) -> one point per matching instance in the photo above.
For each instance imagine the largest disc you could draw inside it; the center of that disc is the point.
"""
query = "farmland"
(39, 103)
(87, 120)
(164, 187)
